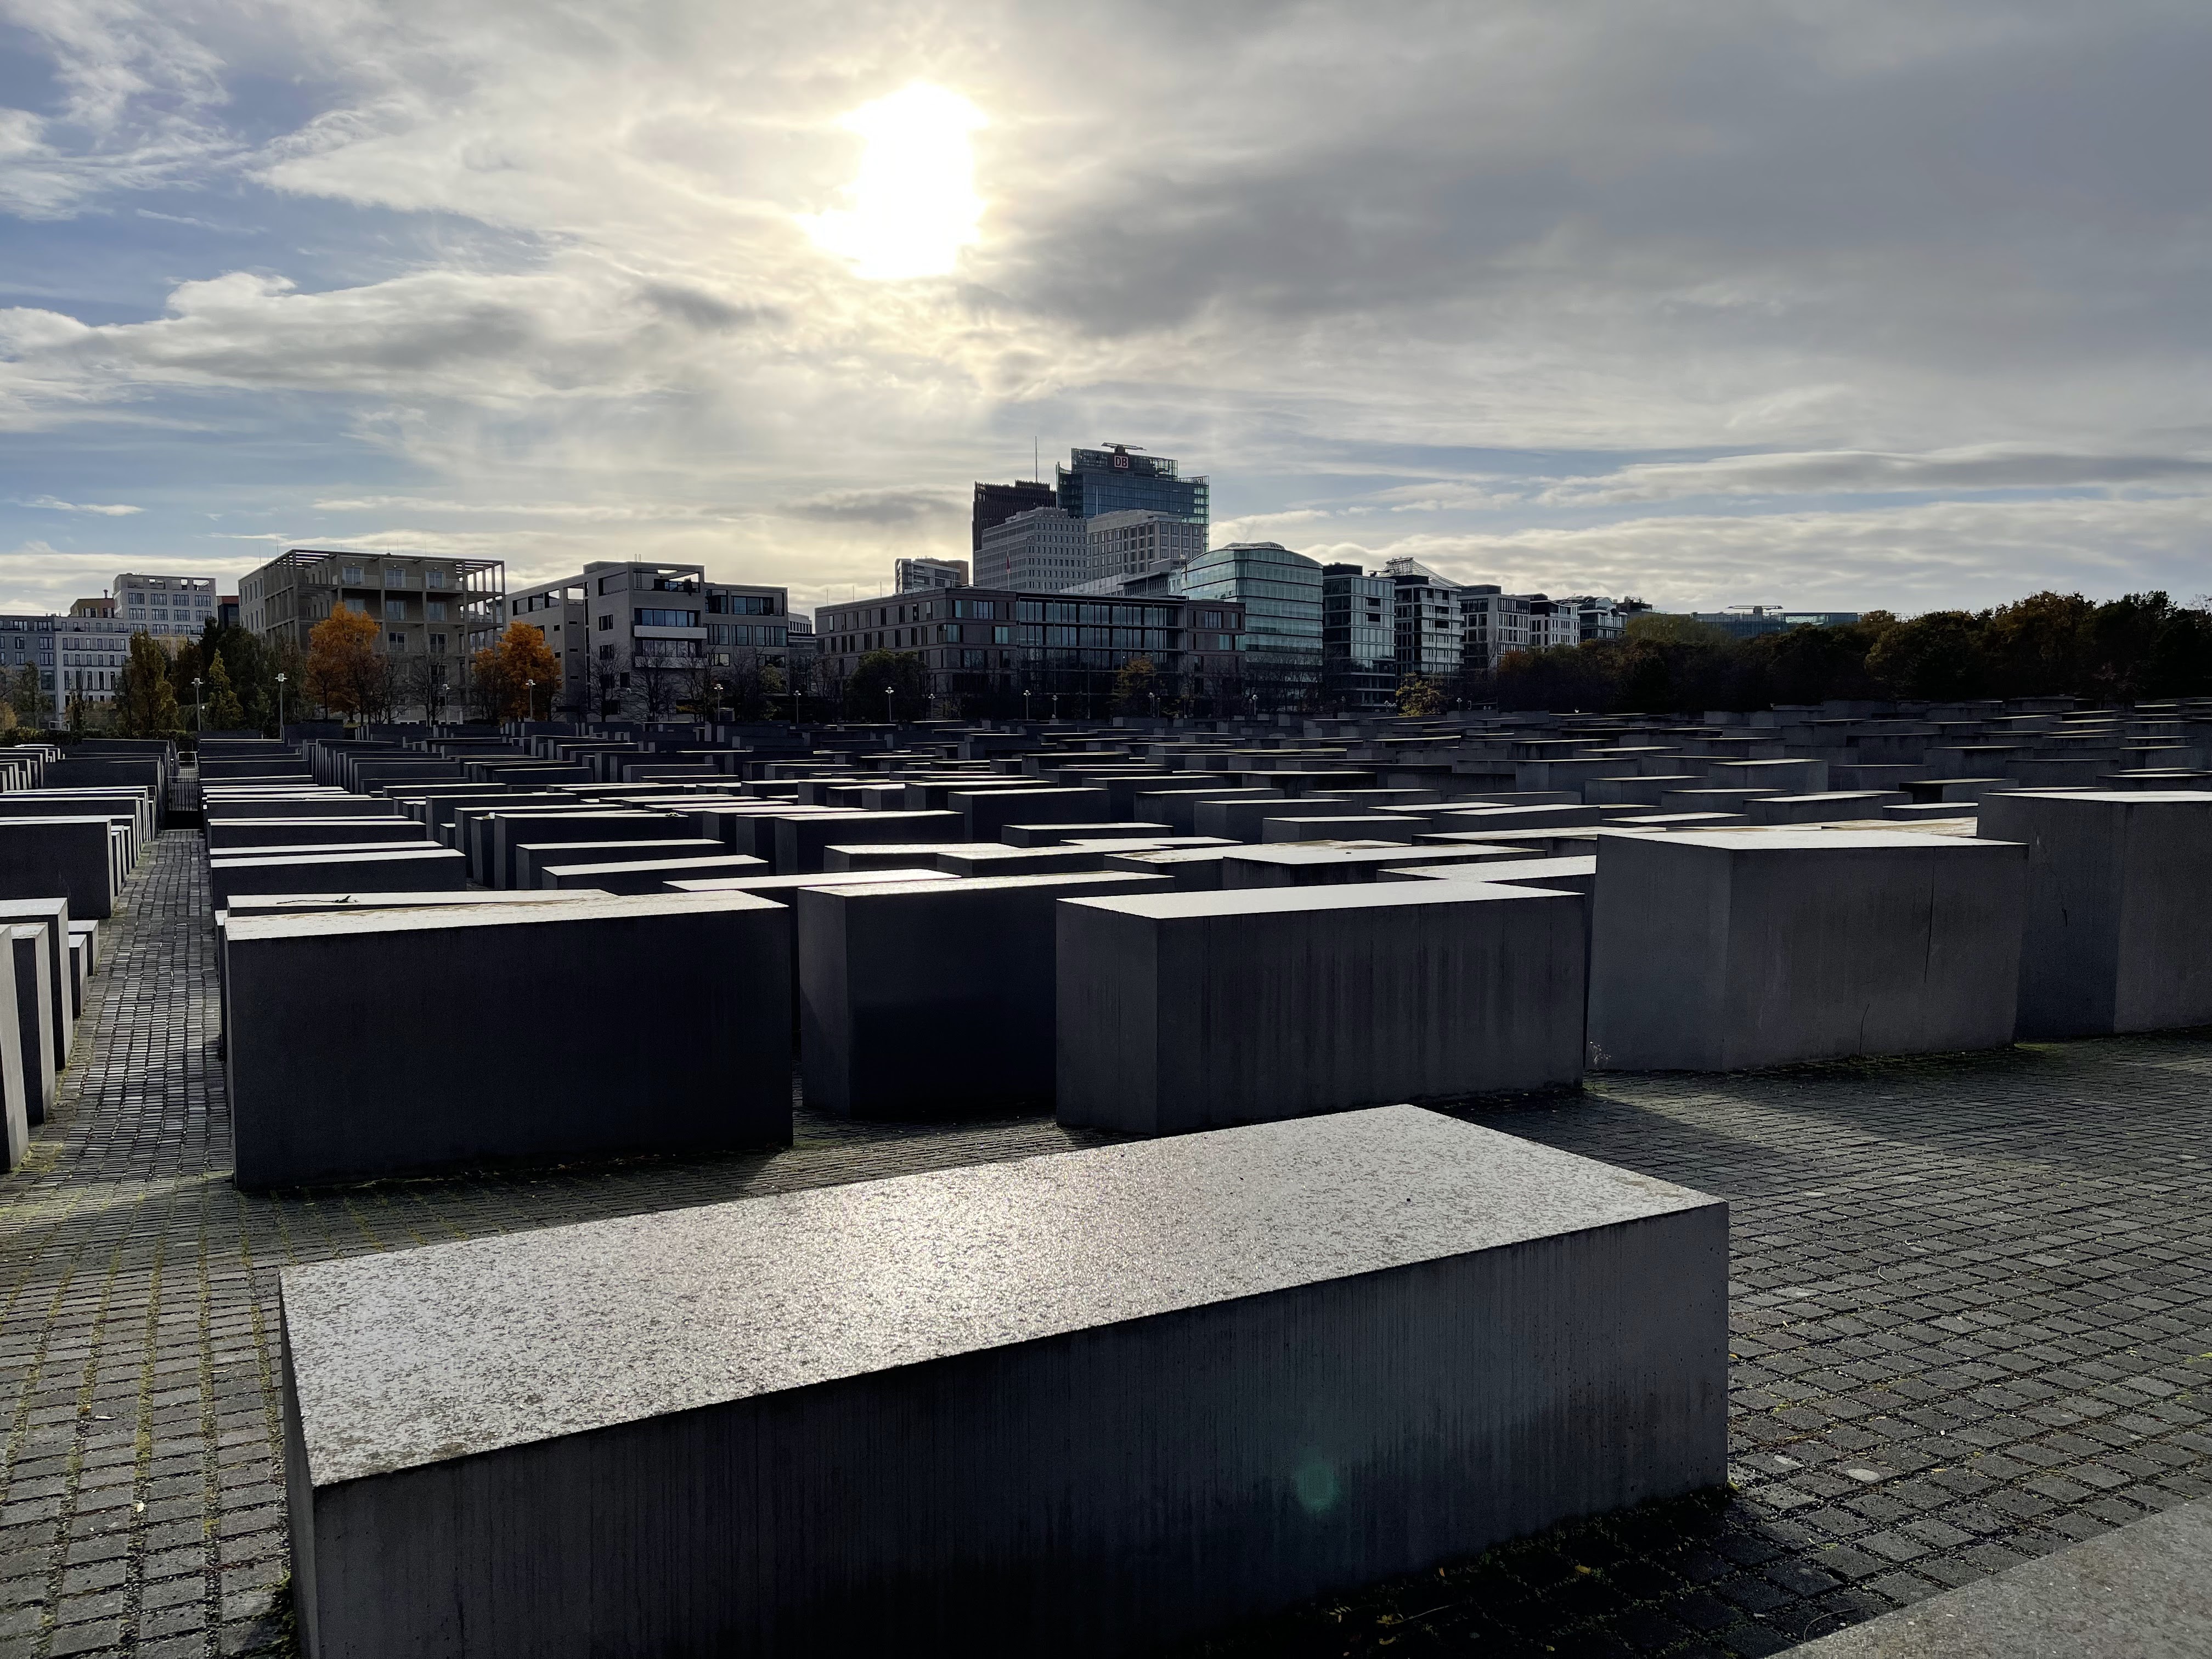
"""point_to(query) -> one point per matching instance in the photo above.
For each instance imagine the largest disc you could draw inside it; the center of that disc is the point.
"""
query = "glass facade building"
(1359, 636)
(1113, 480)
(1281, 593)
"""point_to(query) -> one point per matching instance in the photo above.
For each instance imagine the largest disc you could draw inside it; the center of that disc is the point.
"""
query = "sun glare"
(913, 206)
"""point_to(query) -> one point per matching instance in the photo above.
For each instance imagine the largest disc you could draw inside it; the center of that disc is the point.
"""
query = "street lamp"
(197, 723)
(280, 706)
(529, 699)
(1055, 707)
(887, 706)
(1026, 695)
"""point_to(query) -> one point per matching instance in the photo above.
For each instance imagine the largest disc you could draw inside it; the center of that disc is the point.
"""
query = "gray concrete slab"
(1717, 951)
(228, 834)
(427, 869)
(1190, 1010)
(1058, 834)
(1240, 819)
(2119, 891)
(935, 998)
(531, 858)
(306, 1111)
(31, 958)
(985, 812)
(16, 1082)
(800, 840)
(2143, 1591)
(646, 875)
(1349, 826)
(52, 915)
(60, 857)
(1300, 864)
(1115, 1397)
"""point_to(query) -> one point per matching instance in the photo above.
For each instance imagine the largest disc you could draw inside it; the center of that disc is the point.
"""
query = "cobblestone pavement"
(1973, 1314)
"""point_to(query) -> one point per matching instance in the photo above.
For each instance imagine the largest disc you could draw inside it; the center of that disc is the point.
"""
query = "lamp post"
(197, 723)
(1026, 695)
(887, 706)
(529, 699)
(280, 706)
(1055, 709)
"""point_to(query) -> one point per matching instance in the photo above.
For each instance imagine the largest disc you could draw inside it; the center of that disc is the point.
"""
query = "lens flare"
(913, 206)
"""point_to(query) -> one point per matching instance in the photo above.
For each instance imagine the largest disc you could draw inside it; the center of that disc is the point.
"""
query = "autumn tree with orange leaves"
(519, 677)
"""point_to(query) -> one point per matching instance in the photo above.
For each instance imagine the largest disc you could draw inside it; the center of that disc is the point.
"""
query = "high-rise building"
(1281, 593)
(1129, 543)
(1039, 551)
(437, 607)
(920, 575)
(612, 622)
(1358, 638)
(996, 503)
(1116, 479)
(171, 608)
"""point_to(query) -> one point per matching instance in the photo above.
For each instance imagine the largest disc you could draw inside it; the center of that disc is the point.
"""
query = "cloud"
(116, 510)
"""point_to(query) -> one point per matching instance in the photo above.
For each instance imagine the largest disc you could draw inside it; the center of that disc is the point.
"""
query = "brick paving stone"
(1971, 1315)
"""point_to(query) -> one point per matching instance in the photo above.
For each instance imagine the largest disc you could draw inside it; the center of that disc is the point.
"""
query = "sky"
(1832, 307)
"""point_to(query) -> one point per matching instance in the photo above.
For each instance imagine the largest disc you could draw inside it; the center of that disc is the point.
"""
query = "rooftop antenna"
(1036, 459)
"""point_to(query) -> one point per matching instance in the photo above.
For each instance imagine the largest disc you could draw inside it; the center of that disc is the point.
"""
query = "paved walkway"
(1973, 1314)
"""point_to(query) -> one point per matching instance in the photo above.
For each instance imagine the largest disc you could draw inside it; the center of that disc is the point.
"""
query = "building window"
(606, 622)
(397, 641)
(1002, 636)
(433, 609)
(438, 644)
(667, 618)
(351, 575)
(607, 655)
(395, 610)
(434, 578)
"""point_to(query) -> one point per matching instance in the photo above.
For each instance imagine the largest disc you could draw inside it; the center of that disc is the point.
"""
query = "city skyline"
(1891, 308)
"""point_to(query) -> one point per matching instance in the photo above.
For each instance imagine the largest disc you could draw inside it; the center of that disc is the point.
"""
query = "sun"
(913, 205)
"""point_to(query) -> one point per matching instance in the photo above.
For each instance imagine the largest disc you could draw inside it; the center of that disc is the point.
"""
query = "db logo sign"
(1121, 463)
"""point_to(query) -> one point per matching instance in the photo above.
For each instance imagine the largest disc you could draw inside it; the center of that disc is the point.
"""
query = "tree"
(1136, 687)
(145, 699)
(254, 667)
(223, 711)
(1938, 656)
(426, 681)
(27, 698)
(343, 672)
(519, 677)
(605, 685)
(901, 673)
(1420, 697)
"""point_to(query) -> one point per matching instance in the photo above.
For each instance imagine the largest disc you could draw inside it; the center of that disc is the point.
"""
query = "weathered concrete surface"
(646, 875)
(1716, 951)
(2119, 897)
(59, 857)
(427, 869)
(30, 958)
(531, 859)
(1192, 1011)
(799, 839)
(923, 999)
(1321, 825)
(1299, 865)
(306, 1110)
(2144, 1591)
(1115, 1397)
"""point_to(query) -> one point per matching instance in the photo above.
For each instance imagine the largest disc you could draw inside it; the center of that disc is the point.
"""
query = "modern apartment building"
(173, 609)
(79, 655)
(622, 627)
(440, 607)
(979, 642)
(1426, 625)
(1039, 551)
(1358, 638)
(925, 576)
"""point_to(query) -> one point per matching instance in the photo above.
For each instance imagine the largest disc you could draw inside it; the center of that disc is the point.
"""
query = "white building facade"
(171, 608)
(1040, 551)
(1133, 543)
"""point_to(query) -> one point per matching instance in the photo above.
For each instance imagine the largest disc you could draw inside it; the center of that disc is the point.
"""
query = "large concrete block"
(52, 915)
(531, 858)
(801, 838)
(1104, 1400)
(16, 1081)
(987, 812)
(1177, 807)
(60, 857)
(421, 869)
(1191, 1010)
(1716, 951)
(892, 973)
(499, 834)
(1240, 819)
(2119, 891)
(30, 958)
(989, 859)
(230, 833)
(305, 1110)
(1351, 826)
(1060, 835)
(1338, 863)
(646, 875)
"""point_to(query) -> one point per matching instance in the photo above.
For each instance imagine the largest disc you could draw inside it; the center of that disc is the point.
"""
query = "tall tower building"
(996, 503)
(1116, 479)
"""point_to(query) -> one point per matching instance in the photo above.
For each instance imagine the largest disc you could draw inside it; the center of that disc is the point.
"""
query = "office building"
(1116, 479)
(173, 608)
(80, 655)
(1281, 595)
(1359, 639)
(102, 606)
(438, 607)
(1039, 551)
(996, 503)
(1121, 545)
(1597, 617)
(617, 629)
(925, 576)
(1000, 642)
